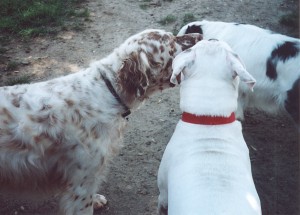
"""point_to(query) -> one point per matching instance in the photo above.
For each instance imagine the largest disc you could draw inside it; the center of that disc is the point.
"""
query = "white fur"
(254, 45)
(59, 135)
(206, 169)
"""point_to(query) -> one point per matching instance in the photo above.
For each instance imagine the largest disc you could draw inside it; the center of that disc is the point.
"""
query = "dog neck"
(207, 120)
(208, 98)
(115, 94)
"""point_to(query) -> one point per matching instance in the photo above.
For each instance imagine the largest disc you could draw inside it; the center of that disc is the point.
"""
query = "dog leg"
(80, 197)
(77, 200)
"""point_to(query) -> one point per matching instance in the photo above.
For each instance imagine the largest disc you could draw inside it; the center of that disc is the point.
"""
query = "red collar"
(207, 120)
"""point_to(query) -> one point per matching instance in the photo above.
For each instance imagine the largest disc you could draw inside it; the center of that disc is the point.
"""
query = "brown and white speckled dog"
(59, 135)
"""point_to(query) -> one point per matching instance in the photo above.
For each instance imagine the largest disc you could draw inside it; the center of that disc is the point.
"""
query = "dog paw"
(99, 201)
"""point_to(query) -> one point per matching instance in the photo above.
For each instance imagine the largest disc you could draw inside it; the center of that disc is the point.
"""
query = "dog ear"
(238, 69)
(132, 77)
(181, 62)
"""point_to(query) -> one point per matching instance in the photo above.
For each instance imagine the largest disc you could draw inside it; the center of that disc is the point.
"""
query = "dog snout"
(198, 37)
(188, 40)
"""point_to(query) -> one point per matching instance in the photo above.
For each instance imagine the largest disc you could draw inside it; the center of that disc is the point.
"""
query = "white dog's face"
(210, 60)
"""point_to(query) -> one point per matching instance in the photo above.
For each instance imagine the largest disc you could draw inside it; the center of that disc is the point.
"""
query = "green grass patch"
(144, 6)
(168, 20)
(187, 18)
(36, 17)
(80, 13)
(12, 65)
(23, 79)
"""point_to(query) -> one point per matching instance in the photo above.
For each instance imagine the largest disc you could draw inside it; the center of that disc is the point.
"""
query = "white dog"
(58, 136)
(273, 59)
(206, 167)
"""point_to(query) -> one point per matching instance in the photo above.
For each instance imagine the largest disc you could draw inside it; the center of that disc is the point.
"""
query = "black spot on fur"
(271, 69)
(194, 29)
(283, 52)
(286, 50)
(292, 102)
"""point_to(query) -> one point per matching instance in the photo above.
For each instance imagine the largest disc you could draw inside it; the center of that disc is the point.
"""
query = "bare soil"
(131, 184)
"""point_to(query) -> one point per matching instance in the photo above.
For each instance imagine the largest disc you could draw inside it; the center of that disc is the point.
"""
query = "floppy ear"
(132, 75)
(238, 69)
(181, 62)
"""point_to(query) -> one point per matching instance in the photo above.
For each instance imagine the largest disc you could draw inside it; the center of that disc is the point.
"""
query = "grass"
(144, 6)
(29, 18)
(168, 20)
(187, 18)
(80, 13)
(12, 65)
(23, 79)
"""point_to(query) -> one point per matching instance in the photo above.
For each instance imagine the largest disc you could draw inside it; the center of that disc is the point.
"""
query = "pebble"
(25, 62)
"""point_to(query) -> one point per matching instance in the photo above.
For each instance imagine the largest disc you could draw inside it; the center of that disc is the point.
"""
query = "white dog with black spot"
(206, 166)
(272, 58)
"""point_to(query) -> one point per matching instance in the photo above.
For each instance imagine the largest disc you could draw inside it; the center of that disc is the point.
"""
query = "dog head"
(210, 72)
(210, 58)
(147, 62)
(193, 27)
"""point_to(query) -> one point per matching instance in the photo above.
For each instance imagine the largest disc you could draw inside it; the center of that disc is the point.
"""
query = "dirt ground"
(131, 184)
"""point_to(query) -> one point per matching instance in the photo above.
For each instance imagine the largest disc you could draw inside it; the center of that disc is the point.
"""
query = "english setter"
(59, 135)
